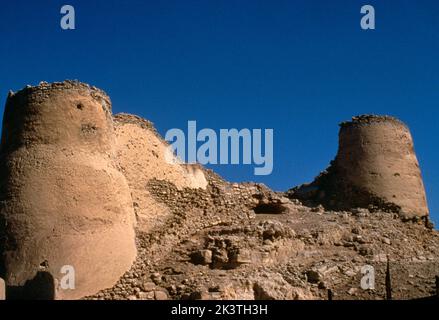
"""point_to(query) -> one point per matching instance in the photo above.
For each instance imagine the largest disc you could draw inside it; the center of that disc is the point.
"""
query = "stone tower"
(63, 200)
(375, 167)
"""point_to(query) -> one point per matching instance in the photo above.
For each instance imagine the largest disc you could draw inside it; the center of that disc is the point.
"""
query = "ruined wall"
(141, 153)
(376, 165)
(2, 289)
(63, 199)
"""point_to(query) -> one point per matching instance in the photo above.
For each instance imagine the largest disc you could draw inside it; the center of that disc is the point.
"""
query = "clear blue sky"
(299, 67)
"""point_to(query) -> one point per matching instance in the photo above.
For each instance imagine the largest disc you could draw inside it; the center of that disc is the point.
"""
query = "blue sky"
(299, 67)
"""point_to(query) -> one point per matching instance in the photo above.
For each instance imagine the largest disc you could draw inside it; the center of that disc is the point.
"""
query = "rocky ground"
(244, 241)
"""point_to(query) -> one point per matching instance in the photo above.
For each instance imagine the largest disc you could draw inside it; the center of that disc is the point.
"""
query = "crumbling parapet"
(375, 167)
(63, 200)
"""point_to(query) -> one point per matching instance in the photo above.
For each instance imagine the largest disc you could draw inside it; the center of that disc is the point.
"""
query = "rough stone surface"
(304, 251)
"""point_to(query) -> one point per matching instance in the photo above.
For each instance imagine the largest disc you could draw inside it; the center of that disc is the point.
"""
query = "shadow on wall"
(41, 287)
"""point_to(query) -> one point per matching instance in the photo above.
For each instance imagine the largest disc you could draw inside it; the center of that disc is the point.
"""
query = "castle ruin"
(85, 188)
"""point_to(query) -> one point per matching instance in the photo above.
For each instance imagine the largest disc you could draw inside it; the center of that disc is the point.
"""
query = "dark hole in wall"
(88, 128)
(41, 287)
(269, 208)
